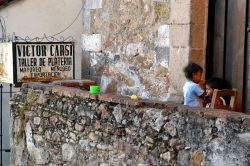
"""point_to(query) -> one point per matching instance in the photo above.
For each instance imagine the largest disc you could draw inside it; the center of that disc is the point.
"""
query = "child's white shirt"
(192, 93)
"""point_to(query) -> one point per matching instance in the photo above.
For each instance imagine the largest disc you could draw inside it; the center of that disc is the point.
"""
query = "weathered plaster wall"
(34, 18)
(55, 125)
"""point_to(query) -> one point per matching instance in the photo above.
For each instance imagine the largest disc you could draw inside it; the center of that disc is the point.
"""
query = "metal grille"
(6, 91)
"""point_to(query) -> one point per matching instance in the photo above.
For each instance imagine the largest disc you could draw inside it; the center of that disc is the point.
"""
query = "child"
(194, 87)
(214, 83)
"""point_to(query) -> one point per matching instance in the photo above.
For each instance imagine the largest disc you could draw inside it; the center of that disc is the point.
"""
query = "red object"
(1, 2)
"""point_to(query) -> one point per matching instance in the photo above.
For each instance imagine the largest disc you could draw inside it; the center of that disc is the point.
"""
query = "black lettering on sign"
(60, 61)
(61, 50)
(38, 50)
(46, 74)
(60, 68)
(31, 50)
(51, 48)
(66, 50)
(20, 50)
(42, 61)
(43, 50)
(27, 51)
(26, 62)
(30, 69)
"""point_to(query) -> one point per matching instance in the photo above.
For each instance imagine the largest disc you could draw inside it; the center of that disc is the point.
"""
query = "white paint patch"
(162, 39)
(162, 42)
(163, 31)
(146, 8)
(164, 64)
(91, 42)
(93, 4)
(134, 49)
(93, 62)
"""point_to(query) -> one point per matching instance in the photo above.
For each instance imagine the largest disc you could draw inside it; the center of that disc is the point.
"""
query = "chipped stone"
(68, 152)
(118, 113)
(245, 138)
(37, 120)
(93, 136)
(78, 127)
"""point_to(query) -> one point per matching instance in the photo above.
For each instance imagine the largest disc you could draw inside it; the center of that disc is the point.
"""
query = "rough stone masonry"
(126, 46)
(57, 125)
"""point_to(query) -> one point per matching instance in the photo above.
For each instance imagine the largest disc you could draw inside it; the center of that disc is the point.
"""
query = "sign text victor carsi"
(44, 61)
(32, 50)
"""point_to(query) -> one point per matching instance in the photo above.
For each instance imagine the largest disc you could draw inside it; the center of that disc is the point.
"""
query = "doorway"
(227, 46)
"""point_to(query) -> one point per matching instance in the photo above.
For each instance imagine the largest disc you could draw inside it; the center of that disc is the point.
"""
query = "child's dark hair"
(216, 83)
(190, 69)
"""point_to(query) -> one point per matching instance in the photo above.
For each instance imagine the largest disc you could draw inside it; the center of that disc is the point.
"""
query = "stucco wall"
(56, 125)
(34, 18)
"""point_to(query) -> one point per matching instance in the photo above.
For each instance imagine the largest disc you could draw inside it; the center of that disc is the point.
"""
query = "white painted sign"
(35, 62)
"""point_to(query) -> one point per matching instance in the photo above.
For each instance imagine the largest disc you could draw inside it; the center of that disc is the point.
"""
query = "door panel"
(219, 38)
(235, 45)
(247, 91)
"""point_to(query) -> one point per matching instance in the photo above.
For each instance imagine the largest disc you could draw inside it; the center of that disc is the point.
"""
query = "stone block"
(197, 56)
(162, 10)
(161, 42)
(197, 35)
(180, 11)
(177, 60)
(180, 35)
(163, 31)
(198, 12)
(91, 42)
(197, 158)
(93, 4)
(244, 138)
(68, 152)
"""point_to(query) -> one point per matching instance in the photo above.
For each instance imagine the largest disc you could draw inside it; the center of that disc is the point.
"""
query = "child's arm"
(202, 84)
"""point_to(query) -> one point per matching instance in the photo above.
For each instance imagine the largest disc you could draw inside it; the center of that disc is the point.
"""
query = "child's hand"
(202, 84)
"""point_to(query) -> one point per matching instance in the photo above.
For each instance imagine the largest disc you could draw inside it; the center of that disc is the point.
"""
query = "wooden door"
(247, 62)
(226, 43)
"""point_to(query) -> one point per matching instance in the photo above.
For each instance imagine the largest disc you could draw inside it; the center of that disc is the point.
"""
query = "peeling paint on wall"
(91, 42)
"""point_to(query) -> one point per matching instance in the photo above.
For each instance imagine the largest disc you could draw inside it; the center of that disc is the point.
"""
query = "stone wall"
(57, 125)
(130, 46)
